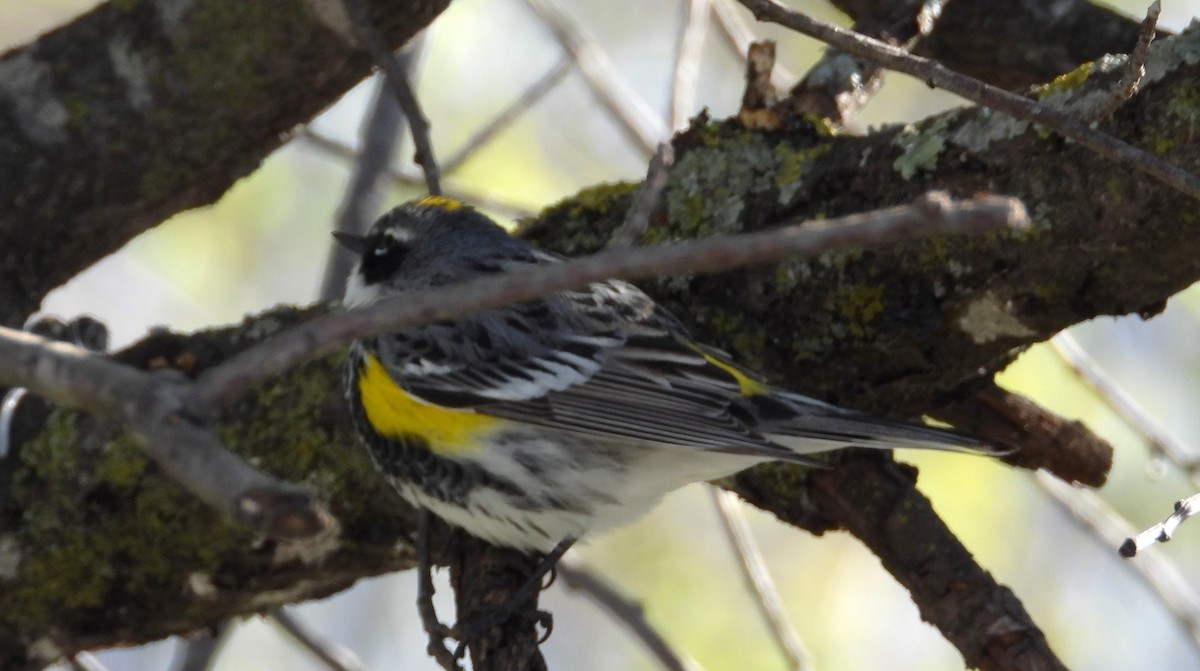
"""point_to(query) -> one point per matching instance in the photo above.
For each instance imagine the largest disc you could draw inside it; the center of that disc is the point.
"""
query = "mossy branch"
(97, 549)
(141, 109)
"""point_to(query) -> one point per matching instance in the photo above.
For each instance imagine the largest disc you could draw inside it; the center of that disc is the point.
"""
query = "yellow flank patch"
(394, 413)
(747, 385)
(441, 203)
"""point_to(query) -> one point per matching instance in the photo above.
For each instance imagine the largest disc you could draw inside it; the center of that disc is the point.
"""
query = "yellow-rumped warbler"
(538, 422)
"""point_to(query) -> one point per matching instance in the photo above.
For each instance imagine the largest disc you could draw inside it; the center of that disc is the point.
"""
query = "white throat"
(357, 293)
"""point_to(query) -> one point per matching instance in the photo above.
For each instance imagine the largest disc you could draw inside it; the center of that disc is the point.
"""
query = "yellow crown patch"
(441, 203)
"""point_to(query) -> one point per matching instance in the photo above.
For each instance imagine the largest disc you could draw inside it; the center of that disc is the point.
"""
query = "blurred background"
(267, 242)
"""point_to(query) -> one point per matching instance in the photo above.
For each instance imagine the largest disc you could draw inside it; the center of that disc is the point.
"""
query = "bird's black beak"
(355, 243)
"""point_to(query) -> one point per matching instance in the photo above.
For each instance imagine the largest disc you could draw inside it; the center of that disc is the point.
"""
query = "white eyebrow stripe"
(399, 234)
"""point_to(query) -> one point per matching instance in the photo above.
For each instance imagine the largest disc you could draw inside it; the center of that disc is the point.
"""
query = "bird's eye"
(382, 260)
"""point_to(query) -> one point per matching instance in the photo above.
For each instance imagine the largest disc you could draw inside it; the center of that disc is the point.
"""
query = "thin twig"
(1161, 441)
(84, 331)
(933, 214)
(758, 579)
(936, 74)
(1158, 572)
(1164, 530)
(757, 110)
(580, 579)
(377, 146)
(332, 655)
(400, 177)
(1135, 69)
(641, 125)
(646, 200)
(738, 37)
(8, 412)
(397, 79)
(528, 98)
(151, 407)
(85, 661)
(685, 72)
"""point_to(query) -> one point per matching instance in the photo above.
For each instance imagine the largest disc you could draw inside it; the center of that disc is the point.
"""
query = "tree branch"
(899, 329)
(934, 73)
(151, 406)
(931, 215)
(159, 412)
(83, 496)
(873, 498)
(132, 113)
(892, 329)
(1019, 43)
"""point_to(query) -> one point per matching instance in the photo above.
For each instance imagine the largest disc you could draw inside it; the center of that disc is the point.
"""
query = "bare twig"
(580, 579)
(84, 331)
(400, 177)
(738, 37)
(757, 110)
(397, 78)
(1161, 441)
(646, 200)
(977, 91)
(8, 412)
(1135, 69)
(685, 71)
(151, 407)
(1158, 572)
(84, 661)
(332, 655)
(1163, 531)
(758, 579)
(933, 214)
(641, 125)
(528, 98)
(361, 201)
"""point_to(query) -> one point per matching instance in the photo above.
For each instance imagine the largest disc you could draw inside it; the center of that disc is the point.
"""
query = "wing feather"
(605, 361)
(608, 362)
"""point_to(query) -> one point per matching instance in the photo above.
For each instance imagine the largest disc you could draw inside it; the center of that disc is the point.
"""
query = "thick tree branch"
(1068, 449)
(160, 410)
(138, 110)
(87, 523)
(899, 324)
(873, 498)
(900, 330)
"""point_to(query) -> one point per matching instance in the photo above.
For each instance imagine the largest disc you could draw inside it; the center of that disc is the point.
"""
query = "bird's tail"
(805, 426)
